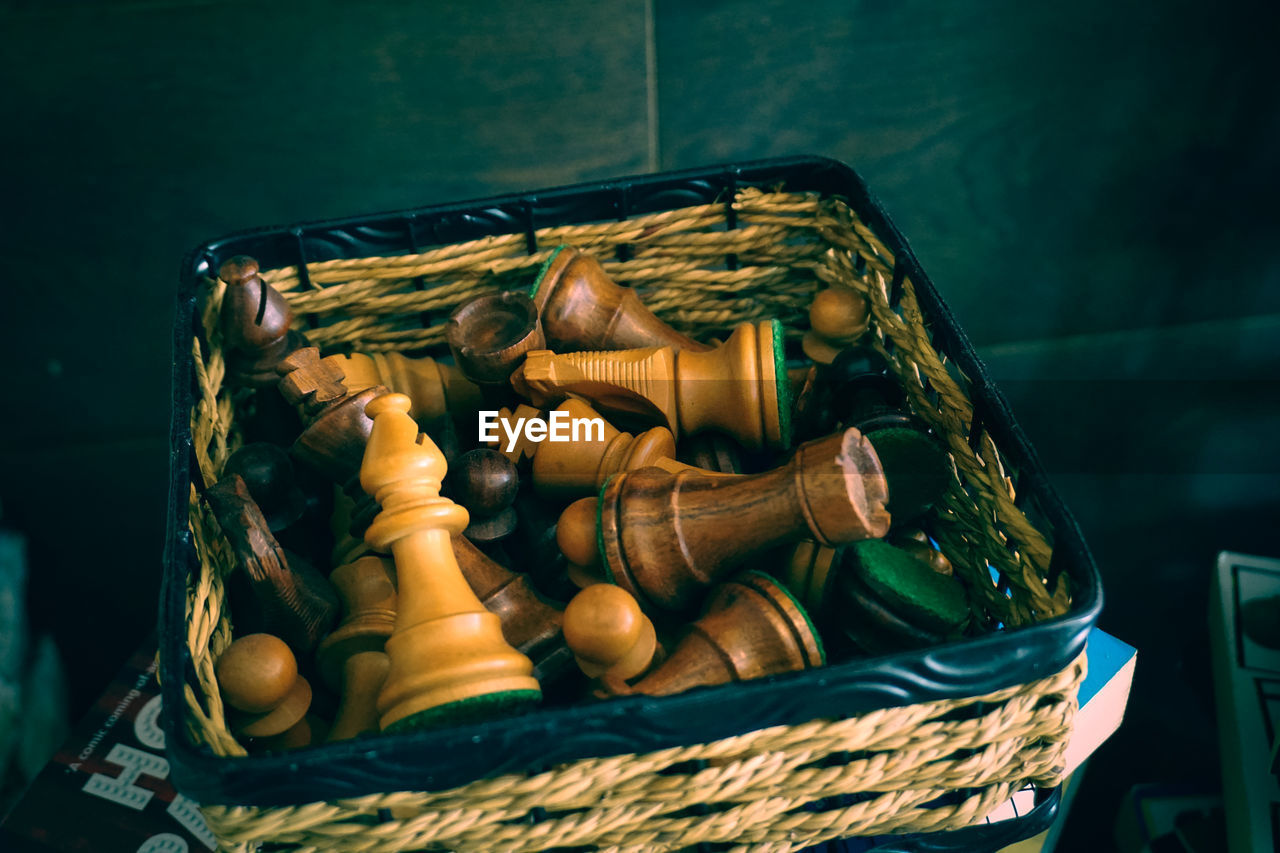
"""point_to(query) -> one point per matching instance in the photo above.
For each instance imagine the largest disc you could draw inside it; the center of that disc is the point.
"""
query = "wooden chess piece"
(884, 599)
(436, 388)
(278, 593)
(533, 548)
(337, 427)
(485, 482)
(352, 659)
(255, 321)
(512, 441)
(664, 537)
(806, 572)
(268, 474)
(838, 316)
(582, 308)
(489, 336)
(712, 451)
(610, 638)
(752, 627)
(563, 469)
(258, 676)
(740, 387)
(577, 537)
(448, 656)
(530, 622)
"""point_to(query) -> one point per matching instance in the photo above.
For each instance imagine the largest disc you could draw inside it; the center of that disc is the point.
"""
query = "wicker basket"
(917, 742)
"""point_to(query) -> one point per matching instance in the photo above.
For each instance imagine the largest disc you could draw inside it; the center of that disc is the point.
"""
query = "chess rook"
(582, 308)
(255, 322)
(740, 387)
(489, 335)
(564, 469)
(664, 537)
(448, 656)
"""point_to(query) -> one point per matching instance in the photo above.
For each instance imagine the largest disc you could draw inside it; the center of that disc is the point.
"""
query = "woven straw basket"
(922, 742)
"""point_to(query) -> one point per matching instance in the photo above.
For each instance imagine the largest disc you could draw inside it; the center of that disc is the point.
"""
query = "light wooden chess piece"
(577, 538)
(448, 656)
(582, 308)
(751, 628)
(255, 322)
(741, 387)
(352, 659)
(563, 469)
(258, 677)
(523, 449)
(664, 537)
(436, 388)
(610, 638)
(838, 316)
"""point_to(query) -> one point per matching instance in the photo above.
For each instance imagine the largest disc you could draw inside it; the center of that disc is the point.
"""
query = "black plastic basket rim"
(446, 758)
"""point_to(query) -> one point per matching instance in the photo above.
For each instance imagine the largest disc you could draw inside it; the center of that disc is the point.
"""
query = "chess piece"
(268, 475)
(610, 638)
(436, 388)
(838, 316)
(563, 469)
(712, 451)
(577, 538)
(530, 622)
(485, 482)
(664, 537)
(367, 587)
(337, 427)
(510, 425)
(751, 628)
(807, 570)
(258, 677)
(740, 387)
(255, 322)
(448, 656)
(582, 308)
(274, 592)
(883, 599)
(489, 335)
(533, 548)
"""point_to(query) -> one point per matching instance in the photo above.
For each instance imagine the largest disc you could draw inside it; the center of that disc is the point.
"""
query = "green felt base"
(917, 468)
(909, 587)
(783, 382)
(542, 272)
(473, 710)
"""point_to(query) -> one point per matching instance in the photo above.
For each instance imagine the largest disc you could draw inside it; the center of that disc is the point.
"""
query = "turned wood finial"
(448, 655)
(751, 628)
(608, 634)
(255, 322)
(258, 676)
(666, 536)
(582, 308)
(564, 469)
(740, 387)
(489, 335)
(838, 316)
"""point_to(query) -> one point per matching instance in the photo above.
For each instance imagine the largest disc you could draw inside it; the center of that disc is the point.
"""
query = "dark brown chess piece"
(272, 591)
(837, 318)
(563, 469)
(665, 537)
(485, 482)
(883, 599)
(489, 336)
(740, 388)
(611, 639)
(258, 677)
(751, 628)
(582, 308)
(352, 659)
(255, 322)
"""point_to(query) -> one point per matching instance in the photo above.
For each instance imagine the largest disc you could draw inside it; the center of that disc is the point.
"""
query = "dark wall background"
(1091, 186)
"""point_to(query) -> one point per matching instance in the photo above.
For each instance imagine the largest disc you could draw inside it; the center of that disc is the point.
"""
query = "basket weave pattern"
(924, 767)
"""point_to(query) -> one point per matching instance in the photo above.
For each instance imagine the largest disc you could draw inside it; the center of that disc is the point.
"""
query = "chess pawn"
(268, 475)
(564, 469)
(664, 537)
(883, 599)
(610, 638)
(258, 677)
(838, 316)
(582, 308)
(255, 322)
(489, 336)
(448, 656)
(436, 388)
(752, 627)
(485, 482)
(351, 659)
(511, 426)
(740, 387)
